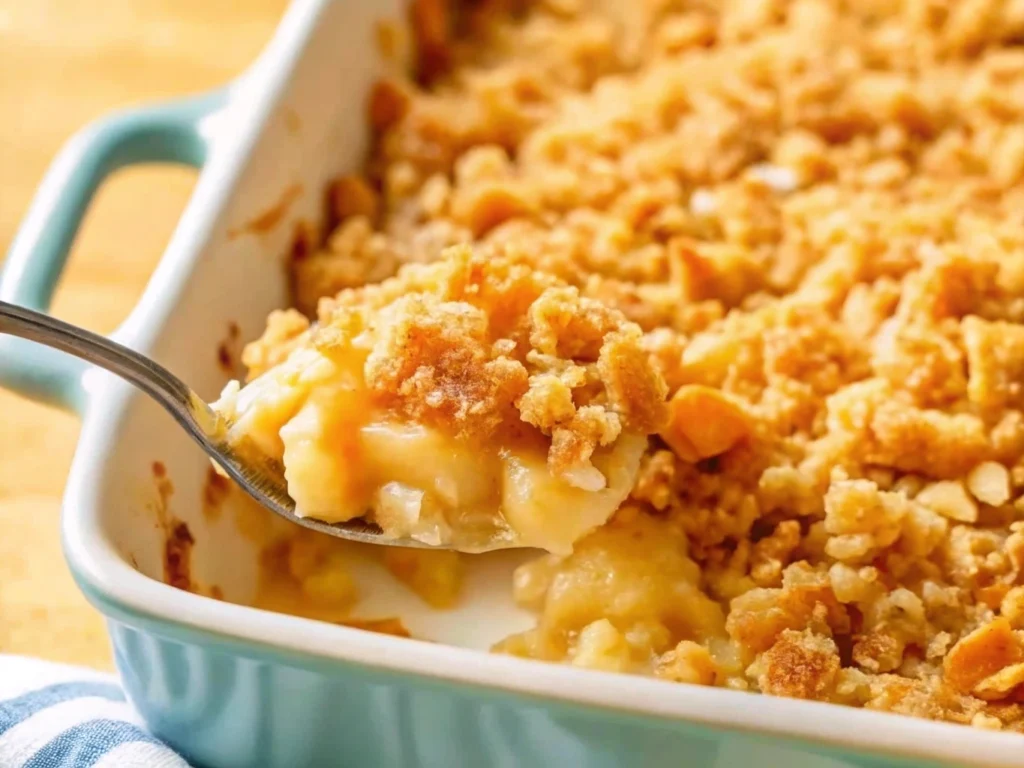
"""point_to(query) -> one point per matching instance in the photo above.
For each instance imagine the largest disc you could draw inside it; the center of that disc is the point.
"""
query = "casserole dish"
(233, 686)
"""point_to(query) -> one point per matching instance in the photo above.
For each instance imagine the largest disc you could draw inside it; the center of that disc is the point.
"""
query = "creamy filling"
(343, 459)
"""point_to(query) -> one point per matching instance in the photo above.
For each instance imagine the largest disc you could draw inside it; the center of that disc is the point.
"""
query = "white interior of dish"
(315, 131)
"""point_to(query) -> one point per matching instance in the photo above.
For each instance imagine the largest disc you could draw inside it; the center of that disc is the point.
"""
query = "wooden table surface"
(63, 63)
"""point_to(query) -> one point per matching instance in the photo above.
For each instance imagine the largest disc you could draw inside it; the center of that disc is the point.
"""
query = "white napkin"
(58, 716)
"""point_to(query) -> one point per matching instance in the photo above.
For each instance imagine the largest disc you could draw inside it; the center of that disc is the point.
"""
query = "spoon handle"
(153, 379)
(256, 474)
(259, 475)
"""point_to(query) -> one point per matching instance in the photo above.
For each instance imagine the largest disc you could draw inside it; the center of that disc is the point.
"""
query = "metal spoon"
(260, 477)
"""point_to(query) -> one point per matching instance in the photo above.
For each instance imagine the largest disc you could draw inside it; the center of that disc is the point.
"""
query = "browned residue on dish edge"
(224, 359)
(391, 40)
(164, 490)
(303, 241)
(292, 121)
(228, 350)
(178, 539)
(178, 556)
(263, 222)
(431, 22)
(215, 490)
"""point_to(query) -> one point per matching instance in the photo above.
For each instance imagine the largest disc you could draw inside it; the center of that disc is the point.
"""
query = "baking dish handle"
(175, 132)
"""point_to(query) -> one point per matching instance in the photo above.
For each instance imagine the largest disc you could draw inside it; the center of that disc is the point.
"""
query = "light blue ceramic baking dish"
(232, 686)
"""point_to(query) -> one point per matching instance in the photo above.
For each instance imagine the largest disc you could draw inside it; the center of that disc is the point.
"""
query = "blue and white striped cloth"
(56, 716)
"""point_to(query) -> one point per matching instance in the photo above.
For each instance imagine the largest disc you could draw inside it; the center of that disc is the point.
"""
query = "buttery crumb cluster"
(809, 211)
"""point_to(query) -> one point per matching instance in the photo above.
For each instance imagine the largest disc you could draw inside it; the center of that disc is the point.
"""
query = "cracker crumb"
(989, 483)
(688, 662)
(799, 665)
